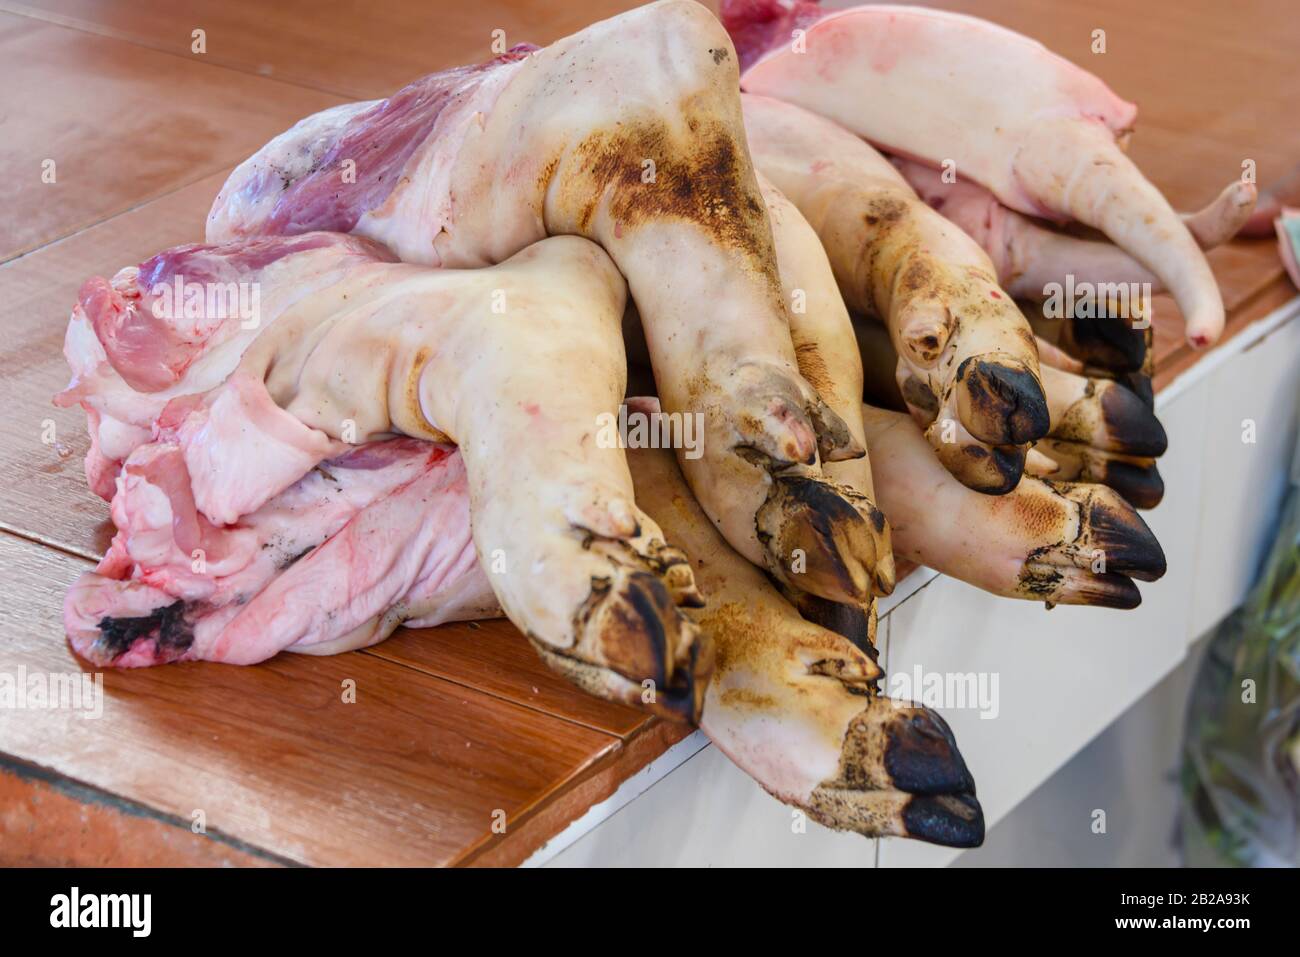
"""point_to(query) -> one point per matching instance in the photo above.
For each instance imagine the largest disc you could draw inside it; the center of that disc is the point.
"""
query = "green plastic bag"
(1241, 751)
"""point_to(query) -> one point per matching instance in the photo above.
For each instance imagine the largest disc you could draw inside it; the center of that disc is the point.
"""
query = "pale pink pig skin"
(305, 542)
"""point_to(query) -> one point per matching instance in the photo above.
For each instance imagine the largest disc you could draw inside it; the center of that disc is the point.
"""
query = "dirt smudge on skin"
(1039, 581)
(744, 698)
(546, 174)
(918, 275)
(732, 618)
(165, 626)
(701, 175)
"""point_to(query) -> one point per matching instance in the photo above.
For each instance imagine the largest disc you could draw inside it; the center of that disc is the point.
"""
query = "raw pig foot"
(380, 536)
(1104, 346)
(385, 347)
(813, 533)
(1030, 256)
(826, 526)
(634, 645)
(1062, 543)
(576, 565)
(1136, 477)
(825, 348)
(1040, 133)
(1101, 432)
(1035, 262)
(967, 364)
(796, 706)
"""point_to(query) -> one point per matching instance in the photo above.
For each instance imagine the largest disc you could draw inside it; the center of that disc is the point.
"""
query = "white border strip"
(626, 793)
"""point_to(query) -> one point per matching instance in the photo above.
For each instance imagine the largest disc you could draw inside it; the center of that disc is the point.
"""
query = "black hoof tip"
(1131, 424)
(1141, 485)
(951, 820)
(922, 757)
(1126, 542)
(1106, 342)
(1007, 404)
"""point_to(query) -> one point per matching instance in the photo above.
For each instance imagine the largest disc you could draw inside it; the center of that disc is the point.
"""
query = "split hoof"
(949, 820)
(1105, 342)
(1103, 414)
(825, 539)
(989, 469)
(631, 640)
(1058, 585)
(1001, 401)
(1136, 478)
(681, 701)
(1106, 545)
(895, 746)
(1112, 527)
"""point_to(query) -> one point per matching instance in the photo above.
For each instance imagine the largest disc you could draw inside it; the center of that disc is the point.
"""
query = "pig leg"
(967, 364)
(1041, 134)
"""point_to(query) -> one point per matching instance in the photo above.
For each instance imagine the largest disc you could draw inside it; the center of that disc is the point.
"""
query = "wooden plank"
(518, 845)
(493, 657)
(329, 46)
(45, 824)
(1249, 272)
(412, 773)
(121, 123)
(1175, 361)
(360, 51)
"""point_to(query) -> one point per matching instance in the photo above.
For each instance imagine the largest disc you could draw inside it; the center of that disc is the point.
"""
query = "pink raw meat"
(362, 543)
(128, 363)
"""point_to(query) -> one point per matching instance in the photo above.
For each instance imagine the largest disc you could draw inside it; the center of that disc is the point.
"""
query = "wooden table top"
(457, 729)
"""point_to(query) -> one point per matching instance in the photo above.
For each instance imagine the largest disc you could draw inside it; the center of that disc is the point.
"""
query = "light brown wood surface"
(452, 724)
(359, 49)
(122, 123)
(415, 771)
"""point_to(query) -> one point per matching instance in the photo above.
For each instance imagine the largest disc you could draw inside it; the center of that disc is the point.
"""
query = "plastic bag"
(1241, 751)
